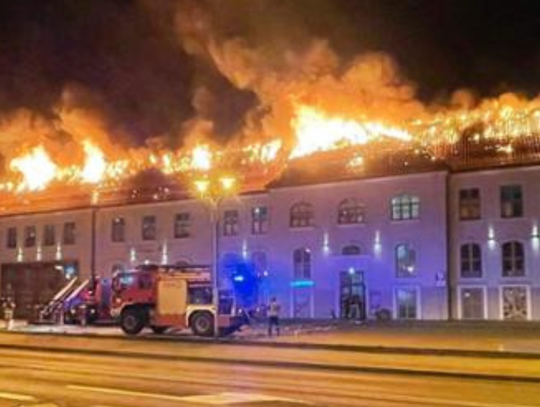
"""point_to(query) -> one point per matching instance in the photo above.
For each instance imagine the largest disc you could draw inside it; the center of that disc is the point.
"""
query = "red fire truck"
(162, 297)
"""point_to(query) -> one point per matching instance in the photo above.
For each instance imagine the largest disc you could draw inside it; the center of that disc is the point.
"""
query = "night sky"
(129, 56)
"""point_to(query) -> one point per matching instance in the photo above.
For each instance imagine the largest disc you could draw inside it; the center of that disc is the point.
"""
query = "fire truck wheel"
(132, 321)
(202, 324)
(159, 329)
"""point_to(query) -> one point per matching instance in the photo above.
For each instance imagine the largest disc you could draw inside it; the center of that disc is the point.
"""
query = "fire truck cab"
(162, 297)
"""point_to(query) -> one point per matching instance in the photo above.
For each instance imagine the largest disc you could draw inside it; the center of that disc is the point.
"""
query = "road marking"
(16, 397)
(120, 392)
(41, 405)
(236, 398)
(209, 399)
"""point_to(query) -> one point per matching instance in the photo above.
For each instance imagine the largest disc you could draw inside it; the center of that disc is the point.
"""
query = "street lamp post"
(213, 192)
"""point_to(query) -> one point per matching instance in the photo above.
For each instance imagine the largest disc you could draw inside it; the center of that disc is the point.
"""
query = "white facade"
(370, 275)
(517, 291)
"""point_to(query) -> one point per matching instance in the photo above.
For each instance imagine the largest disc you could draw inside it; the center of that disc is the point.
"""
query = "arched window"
(405, 207)
(302, 215)
(405, 261)
(350, 250)
(350, 212)
(471, 260)
(513, 259)
(302, 264)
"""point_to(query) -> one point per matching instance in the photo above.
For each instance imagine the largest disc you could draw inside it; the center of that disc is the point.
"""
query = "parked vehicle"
(162, 296)
(89, 303)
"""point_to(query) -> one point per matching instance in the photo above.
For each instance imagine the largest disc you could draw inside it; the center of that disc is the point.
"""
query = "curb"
(443, 352)
(281, 364)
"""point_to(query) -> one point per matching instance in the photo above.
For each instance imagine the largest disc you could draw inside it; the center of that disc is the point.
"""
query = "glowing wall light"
(244, 249)
(377, 246)
(535, 238)
(133, 255)
(302, 283)
(38, 253)
(326, 243)
(58, 254)
(491, 238)
(20, 255)
(165, 253)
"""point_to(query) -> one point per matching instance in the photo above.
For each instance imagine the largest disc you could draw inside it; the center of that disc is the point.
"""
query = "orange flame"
(37, 169)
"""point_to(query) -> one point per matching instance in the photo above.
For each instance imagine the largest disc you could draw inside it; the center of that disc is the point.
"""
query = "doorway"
(352, 295)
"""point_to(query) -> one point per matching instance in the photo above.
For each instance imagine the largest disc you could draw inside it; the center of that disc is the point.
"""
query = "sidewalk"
(476, 337)
(469, 336)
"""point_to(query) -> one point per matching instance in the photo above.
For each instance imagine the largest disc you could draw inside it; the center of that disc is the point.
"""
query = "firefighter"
(273, 316)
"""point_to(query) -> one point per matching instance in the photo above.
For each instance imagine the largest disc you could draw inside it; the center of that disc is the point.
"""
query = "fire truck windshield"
(122, 281)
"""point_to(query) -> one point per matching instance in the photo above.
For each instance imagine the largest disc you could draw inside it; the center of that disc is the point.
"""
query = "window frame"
(461, 289)
(302, 263)
(259, 220)
(351, 212)
(398, 269)
(49, 235)
(118, 229)
(470, 260)
(301, 215)
(12, 238)
(182, 225)
(405, 207)
(149, 230)
(30, 236)
(348, 247)
(231, 222)
(510, 199)
(513, 260)
(418, 302)
(469, 202)
(69, 235)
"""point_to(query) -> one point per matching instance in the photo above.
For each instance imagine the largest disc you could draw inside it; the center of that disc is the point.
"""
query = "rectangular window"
(472, 303)
(407, 303)
(69, 233)
(259, 220)
(11, 242)
(49, 235)
(511, 201)
(469, 204)
(471, 260)
(118, 229)
(515, 303)
(182, 225)
(29, 236)
(149, 227)
(230, 223)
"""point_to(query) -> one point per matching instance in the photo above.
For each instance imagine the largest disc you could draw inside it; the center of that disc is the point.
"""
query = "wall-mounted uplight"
(377, 246)
(244, 249)
(491, 238)
(133, 255)
(535, 238)
(165, 253)
(326, 243)
(38, 254)
(58, 254)
(20, 255)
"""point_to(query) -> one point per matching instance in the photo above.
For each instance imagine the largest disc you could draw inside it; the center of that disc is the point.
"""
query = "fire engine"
(162, 297)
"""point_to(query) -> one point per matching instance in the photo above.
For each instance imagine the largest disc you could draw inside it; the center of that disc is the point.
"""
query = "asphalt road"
(47, 379)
